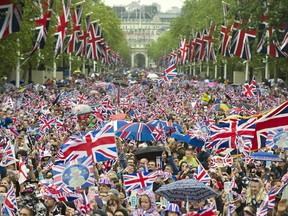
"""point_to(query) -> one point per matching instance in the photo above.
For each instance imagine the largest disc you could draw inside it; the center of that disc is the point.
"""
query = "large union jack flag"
(225, 41)
(61, 29)
(94, 41)
(276, 118)
(227, 134)
(76, 15)
(100, 144)
(138, 180)
(265, 44)
(10, 18)
(242, 41)
(42, 23)
(10, 205)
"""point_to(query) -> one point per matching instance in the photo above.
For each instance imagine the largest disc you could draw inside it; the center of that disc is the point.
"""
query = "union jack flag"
(225, 44)
(158, 133)
(170, 72)
(101, 144)
(201, 175)
(10, 205)
(242, 40)
(277, 118)
(272, 195)
(208, 39)
(183, 50)
(46, 124)
(108, 165)
(9, 156)
(94, 41)
(138, 180)
(227, 134)
(83, 38)
(42, 23)
(85, 206)
(59, 193)
(284, 44)
(265, 45)
(250, 90)
(199, 47)
(62, 26)
(76, 14)
(210, 210)
(10, 18)
(61, 175)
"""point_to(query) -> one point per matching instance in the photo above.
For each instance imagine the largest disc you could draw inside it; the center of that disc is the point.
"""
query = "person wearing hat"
(104, 185)
(77, 180)
(171, 210)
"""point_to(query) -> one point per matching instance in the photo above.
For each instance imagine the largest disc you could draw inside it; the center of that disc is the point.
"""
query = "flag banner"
(76, 174)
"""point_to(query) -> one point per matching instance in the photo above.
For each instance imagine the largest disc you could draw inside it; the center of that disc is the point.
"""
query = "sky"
(165, 4)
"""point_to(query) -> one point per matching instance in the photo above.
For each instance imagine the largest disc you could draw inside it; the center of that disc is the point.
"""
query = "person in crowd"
(147, 205)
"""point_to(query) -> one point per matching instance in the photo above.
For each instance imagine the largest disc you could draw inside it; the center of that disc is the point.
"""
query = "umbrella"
(136, 131)
(81, 109)
(117, 124)
(119, 116)
(186, 190)
(212, 84)
(167, 125)
(265, 156)
(225, 107)
(77, 71)
(150, 152)
(245, 105)
(152, 76)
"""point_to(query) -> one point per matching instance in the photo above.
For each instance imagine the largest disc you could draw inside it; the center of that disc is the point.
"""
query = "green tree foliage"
(23, 40)
(198, 14)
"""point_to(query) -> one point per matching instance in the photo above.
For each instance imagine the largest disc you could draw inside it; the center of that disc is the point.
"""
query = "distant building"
(143, 24)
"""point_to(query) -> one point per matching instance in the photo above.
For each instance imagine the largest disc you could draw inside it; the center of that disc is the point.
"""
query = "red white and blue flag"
(276, 118)
(100, 144)
(201, 175)
(9, 206)
(242, 41)
(227, 134)
(62, 173)
(170, 72)
(10, 18)
(42, 23)
(9, 155)
(138, 180)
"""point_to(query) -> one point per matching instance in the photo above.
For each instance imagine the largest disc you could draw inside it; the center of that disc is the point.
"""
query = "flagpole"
(83, 66)
(18, 66)
(70, 64)
(190, 69)
(194, 69)
(54, 69)
(267, 75)
(207, 69)
(215, 74)
(247, 71)
(94, 66)
(225, 70)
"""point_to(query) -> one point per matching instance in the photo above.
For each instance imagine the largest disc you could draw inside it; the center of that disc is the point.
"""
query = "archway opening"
(139, 60)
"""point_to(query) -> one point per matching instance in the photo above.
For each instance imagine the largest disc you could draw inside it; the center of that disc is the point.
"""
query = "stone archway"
(139, 60)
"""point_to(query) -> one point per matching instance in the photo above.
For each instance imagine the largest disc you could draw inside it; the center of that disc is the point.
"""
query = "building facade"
(142, 25)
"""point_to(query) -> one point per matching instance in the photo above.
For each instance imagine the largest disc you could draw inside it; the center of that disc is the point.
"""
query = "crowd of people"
(241, 186)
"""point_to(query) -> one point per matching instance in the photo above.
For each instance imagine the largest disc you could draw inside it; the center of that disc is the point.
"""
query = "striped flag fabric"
(201, 175)
(9, 206)
(138, 180)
